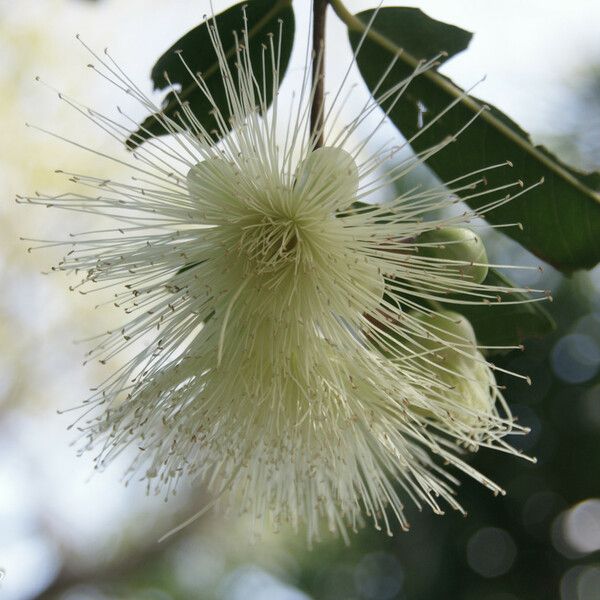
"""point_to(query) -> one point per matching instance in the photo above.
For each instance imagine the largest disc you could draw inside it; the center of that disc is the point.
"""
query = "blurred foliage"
(577, 122)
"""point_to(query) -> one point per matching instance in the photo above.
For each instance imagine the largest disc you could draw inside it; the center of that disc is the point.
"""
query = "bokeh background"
(70, 535)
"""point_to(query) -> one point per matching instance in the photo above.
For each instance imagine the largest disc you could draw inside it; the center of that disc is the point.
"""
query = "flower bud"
(470, 385)
(458, 365)
(328, 176)
(447, 333)
(456, 244)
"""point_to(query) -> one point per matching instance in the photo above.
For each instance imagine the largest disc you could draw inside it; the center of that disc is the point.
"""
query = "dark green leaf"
(560, 219)
(197, 49)
(502, 324)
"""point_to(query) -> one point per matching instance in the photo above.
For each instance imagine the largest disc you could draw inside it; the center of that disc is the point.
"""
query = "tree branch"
(318, 71)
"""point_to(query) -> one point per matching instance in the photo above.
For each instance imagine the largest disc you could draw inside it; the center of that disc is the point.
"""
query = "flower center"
(270, 243)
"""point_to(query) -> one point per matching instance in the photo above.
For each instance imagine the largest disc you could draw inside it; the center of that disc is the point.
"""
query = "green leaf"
(196, 48)
(560, 219)
(503, 324)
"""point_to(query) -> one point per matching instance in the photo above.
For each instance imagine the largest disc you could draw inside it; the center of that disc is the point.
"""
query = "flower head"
(295, 356)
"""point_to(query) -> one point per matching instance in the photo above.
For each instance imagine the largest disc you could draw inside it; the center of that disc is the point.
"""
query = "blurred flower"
(290, 347)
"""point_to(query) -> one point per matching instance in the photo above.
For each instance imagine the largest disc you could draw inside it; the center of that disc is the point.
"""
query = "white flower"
(294, 357)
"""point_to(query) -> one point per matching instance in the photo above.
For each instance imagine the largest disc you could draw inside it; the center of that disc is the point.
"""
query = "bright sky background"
(528, 50)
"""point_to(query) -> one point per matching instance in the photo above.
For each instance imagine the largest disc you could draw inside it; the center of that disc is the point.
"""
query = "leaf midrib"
(355, 24)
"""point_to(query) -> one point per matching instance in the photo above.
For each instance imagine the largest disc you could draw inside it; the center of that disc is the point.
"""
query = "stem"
(318, 71)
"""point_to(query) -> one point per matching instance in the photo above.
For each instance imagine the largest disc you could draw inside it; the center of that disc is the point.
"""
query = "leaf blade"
(263, 18)
(502, 324)
(561, 219)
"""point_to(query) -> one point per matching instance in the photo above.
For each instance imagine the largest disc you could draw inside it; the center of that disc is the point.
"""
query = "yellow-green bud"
(457, 364)
(456, 244)
(330, 175)
(443, 331)
(471, 384)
